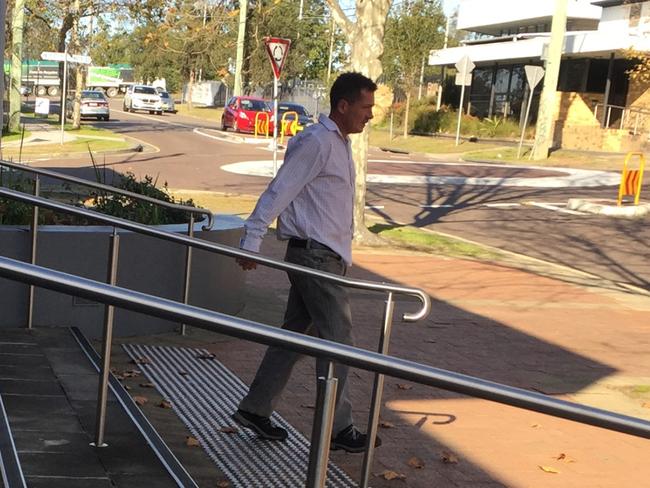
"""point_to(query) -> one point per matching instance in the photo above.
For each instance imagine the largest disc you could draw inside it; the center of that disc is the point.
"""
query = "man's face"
(358, 113)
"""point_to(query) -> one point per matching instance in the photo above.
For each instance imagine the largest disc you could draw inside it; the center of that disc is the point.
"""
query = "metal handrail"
(226, 250)
(112, 189)
(625, 112)
(191, 242)
(320, 348)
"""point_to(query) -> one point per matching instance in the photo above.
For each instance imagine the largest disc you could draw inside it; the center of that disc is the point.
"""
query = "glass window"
(147, 90)
(254, 105)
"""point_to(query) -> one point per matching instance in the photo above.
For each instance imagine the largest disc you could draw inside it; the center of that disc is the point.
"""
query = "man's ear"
(342, 106)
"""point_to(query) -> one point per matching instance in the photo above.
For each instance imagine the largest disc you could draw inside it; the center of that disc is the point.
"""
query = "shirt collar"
(331, 125)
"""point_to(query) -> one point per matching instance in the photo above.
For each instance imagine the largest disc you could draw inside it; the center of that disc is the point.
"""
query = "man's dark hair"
(348, 87)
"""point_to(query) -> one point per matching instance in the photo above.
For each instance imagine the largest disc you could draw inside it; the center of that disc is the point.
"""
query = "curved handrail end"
(423, 312)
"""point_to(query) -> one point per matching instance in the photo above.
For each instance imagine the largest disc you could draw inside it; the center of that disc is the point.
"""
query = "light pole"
(241, 37)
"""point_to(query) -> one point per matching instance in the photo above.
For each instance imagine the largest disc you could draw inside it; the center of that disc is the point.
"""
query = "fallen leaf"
(304, 405)
(142, 360)
(229, 430)
(182, 373)
(127, 387)
(140, 400)
(415, 462)
(385, 424)
(206, 356)
(535, 426)
(560, 456)
(131, 373)
(223, 484)
(191, 442)
(448, 457)
(403, 386)
(548, 469)
(165, 404)
(391, 475)
(147, 385)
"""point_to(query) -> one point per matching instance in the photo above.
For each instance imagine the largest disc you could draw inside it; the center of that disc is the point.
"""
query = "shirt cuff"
(251, 244)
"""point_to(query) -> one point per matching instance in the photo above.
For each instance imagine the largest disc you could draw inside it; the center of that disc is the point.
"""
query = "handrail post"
(102, 394)
(188, 268)
(32, 260)
(377, 392)
(321, 433)
(609, 115)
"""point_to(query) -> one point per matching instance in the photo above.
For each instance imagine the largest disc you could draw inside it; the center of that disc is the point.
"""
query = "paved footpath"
(582, 344)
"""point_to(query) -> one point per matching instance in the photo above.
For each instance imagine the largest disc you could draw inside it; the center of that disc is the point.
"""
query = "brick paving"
(582, 344)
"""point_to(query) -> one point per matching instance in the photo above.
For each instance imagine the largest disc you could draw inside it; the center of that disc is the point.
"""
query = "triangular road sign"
(277, 49)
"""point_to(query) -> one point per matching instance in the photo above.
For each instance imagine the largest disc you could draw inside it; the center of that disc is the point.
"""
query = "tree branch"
(340, 18)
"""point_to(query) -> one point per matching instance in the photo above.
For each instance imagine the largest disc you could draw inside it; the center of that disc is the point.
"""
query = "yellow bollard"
(262, 124)
(287, 123)
(631, 179)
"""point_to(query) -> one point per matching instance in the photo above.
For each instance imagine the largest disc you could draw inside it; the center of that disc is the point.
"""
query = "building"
(598, 106)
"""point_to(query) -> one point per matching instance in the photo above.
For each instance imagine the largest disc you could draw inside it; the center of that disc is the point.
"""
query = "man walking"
(313, 198)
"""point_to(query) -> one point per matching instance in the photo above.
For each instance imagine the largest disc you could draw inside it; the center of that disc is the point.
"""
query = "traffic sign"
(71, 58)
(464, 80)
(465, 66)
(277, 49)
(534, 75)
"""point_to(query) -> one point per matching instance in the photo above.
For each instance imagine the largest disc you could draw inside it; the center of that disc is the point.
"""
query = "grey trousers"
(315, 307)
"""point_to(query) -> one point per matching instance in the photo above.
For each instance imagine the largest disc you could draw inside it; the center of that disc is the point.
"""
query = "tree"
(15, 98)
(413, 29)
(366, 39)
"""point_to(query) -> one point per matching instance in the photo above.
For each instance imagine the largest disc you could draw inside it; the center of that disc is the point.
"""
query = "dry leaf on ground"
(563, 457)
(165, 404)
(448, 457)
(131, 373)
(127, 387)
(403, 386)
(304, 405)
(191, 442)
(142, 360)
(206, 356)
(415, 462)
(140, 400)
(391, 475)
(147, 385)
(548, 469)
(535, 426)
(560, 456)
(229, 430)
(385, 424)
(223, 484)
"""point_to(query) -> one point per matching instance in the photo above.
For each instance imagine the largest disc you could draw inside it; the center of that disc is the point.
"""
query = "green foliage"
(11, 211)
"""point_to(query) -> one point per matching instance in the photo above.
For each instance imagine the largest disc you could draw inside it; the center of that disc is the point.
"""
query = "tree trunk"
(78, 71)
(15, 98)
(366, 38)
(406, 114)
(190, 87)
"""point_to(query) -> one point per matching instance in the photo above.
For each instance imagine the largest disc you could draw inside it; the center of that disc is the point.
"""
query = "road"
(523, 219)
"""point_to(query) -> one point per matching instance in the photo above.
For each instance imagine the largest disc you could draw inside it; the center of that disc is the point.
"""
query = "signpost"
(277, 49)
(534, 75)
(66, 58)
(463, 78)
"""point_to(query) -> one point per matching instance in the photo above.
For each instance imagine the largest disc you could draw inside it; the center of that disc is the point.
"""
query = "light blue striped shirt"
(313, 193)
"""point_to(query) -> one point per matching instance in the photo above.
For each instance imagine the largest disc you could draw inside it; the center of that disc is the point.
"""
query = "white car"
(142, 97)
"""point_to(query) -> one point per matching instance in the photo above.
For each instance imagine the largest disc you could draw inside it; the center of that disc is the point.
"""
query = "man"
(313, 198)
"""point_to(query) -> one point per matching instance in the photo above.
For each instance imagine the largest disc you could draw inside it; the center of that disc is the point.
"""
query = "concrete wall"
(145, 264)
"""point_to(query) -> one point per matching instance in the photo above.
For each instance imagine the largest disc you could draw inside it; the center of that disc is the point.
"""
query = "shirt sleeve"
(303, 161)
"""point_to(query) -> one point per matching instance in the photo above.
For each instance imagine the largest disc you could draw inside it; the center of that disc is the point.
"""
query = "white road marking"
(502, 205)
(555, 208)
(437, 206)
(373, 207)
(155, 119)
(197, 130)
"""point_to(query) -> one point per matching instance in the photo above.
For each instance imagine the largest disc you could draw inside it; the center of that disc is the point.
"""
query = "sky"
(449, 6)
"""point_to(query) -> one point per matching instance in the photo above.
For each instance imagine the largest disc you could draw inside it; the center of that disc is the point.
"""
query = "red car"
(239, 114)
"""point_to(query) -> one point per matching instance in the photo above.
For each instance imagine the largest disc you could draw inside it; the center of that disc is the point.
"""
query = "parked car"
(142, 97)
(167, 102)
(93, 104)
(239, 114)
(304, 117)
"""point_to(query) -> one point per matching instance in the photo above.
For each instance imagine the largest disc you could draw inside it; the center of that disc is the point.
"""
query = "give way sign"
(277, 49)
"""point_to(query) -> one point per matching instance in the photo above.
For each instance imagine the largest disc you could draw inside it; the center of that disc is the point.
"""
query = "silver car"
(93, 104)
(167, 102)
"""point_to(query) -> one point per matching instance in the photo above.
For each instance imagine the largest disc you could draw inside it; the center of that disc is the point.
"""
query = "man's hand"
(246, 264)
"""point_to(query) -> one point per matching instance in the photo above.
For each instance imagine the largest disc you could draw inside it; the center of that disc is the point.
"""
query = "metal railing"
(631, 117)
(192, 242)
(192, 211)
(330, 351)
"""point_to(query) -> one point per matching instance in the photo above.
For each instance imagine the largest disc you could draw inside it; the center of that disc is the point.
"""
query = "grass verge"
(205, 113)
(77, 146)
(425, 144)
(572, 159)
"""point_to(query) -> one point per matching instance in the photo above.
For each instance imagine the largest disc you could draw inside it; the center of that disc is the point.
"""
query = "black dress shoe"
(262, 426)
(351, 440)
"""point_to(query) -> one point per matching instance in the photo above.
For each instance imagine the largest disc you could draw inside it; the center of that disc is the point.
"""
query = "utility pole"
(421, 78)
(3, 10)
(547, 102)
(17, 25)
(329, 60)
(241, 37)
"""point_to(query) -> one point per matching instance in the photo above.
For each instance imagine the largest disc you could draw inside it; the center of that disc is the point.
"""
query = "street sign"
(463, 80)
(42, 106)
(277, 49)
(534, 75)
(71, 58)
(465, 66)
